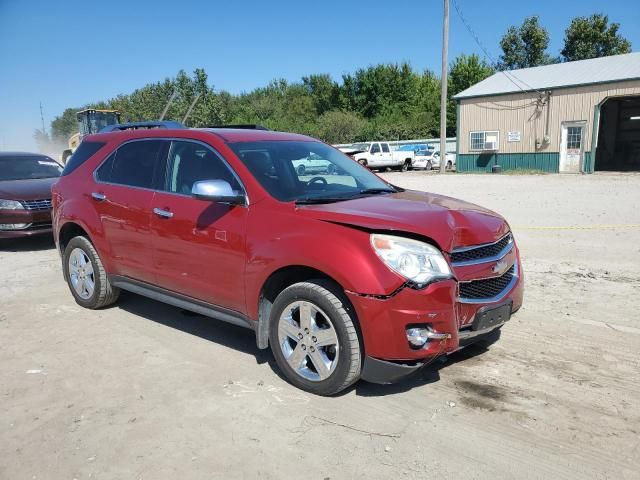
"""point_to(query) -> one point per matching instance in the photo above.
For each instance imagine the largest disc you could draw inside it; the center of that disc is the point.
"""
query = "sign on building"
(513, 136)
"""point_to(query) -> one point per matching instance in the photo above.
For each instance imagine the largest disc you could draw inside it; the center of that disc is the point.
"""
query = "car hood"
(451, 223)
(31, 189)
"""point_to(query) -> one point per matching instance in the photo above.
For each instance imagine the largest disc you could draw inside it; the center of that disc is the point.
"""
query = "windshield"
(93, 122)
(361, 146)
(28, 167)
(308, 172)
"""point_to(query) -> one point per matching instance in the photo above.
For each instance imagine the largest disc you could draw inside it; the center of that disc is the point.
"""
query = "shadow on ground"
(243, 340)
(27, 244)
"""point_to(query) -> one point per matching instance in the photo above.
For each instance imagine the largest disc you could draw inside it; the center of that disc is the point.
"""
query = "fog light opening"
(418, 337)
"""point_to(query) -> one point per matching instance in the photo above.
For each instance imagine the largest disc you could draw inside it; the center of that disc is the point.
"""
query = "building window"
(574, 138)
(484, 140)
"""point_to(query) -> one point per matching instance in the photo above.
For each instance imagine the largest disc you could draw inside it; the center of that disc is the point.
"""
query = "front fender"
(285, 239)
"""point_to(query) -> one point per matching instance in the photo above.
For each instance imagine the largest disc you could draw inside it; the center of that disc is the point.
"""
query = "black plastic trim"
(181, 301)
(379, 371)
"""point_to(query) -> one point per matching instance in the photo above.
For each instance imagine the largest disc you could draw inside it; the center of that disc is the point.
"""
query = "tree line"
(386, 101)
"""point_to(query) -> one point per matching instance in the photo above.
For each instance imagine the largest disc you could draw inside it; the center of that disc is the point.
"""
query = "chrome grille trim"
(42, 204)
(467, 252)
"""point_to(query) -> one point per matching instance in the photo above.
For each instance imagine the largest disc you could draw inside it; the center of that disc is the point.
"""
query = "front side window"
(190, 162)
(133, 164)
(375, 148)
(25, 167)
(307, 171)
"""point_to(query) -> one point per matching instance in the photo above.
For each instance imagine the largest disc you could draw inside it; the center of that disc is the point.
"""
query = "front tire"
(85, 275)
(314, 337)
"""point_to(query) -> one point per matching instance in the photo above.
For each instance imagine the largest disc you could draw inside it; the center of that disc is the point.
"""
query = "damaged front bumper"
(384, 322)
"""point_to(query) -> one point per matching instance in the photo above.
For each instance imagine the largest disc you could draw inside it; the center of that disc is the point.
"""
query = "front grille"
(39, 226)
(43, 204)
(487, 288)
(481, 252)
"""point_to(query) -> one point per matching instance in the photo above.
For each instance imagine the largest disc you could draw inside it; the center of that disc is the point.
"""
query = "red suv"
(342, 274)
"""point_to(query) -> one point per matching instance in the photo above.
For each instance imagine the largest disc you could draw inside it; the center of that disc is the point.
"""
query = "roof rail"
(140, 125)
(242, 126)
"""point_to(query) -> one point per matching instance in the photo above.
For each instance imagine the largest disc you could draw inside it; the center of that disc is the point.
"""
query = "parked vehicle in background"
(342, 276)
(450, 160)
(378, 155)
(89, 121)
(25, 193)
(423, 155)
(314, 164)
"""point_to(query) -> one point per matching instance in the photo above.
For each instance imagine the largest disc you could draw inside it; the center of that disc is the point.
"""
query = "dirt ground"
(146, 391)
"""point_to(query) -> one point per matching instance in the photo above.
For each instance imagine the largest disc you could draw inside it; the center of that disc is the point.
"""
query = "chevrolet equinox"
(342, 274)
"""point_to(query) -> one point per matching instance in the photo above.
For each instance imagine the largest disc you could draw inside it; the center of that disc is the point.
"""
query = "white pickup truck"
(378, 155)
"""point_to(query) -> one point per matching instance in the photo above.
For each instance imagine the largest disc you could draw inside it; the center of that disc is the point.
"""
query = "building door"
(571, 146)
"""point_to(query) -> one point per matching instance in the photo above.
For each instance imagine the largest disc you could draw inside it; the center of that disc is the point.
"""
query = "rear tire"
(85, 275)
(311, 325)
(405, 166)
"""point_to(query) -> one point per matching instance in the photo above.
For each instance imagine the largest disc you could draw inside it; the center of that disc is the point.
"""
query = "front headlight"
(416, 261)
(10, 205)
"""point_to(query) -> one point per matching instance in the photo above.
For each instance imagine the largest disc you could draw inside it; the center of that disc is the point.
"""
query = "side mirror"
(216, 191)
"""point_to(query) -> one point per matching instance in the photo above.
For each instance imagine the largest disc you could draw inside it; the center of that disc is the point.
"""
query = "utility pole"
(443, 88)
(42, 119)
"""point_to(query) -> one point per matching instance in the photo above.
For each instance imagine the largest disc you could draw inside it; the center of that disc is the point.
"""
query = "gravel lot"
(143, 390)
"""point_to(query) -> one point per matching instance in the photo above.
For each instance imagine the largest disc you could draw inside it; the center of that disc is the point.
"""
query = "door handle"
(163, 213)
(99, 197)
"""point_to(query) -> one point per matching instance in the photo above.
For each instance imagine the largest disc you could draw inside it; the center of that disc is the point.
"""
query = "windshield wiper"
(366, 191)
(341, 198)
(316, 200)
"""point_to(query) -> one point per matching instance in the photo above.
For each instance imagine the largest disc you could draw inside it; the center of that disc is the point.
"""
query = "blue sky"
(68, 53)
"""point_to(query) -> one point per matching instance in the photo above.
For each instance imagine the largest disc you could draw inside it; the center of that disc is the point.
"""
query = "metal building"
(569, 117)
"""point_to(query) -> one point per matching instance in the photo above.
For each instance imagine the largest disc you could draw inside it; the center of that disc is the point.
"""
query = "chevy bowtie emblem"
(500, 267)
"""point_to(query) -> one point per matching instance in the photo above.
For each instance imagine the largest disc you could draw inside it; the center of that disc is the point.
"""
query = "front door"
(198, 245)
(571, 146)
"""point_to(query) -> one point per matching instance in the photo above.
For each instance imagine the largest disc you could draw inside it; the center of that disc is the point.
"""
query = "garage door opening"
(618, 147)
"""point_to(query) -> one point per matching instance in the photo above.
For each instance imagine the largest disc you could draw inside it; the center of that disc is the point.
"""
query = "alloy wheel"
(81, 273)
(308, 340)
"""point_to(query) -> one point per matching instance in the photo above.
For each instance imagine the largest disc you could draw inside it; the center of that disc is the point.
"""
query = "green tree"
(65, 125)
(592, 37)
(323, 90)
(466, 70)
(340, 127)
(525, 46)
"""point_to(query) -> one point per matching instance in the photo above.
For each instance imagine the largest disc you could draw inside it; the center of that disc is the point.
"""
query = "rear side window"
(385, 147)
(133, 164)
(83, 153)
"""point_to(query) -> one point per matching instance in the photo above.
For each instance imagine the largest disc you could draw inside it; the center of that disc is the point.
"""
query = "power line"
(510, 76)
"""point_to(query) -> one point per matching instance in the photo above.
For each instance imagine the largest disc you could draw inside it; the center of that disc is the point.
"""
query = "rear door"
(122, 197)
(198, 245)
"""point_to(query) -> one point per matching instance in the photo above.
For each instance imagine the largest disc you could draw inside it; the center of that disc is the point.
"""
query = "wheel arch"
(283, 278)
(70, 230)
